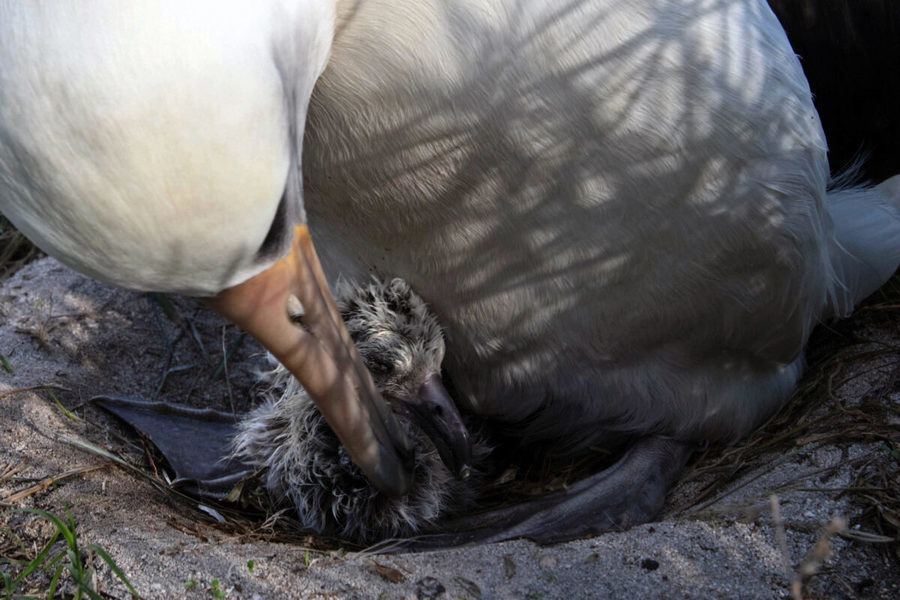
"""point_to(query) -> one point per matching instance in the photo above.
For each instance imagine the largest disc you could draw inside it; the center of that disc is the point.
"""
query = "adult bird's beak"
(322, 357)
(434, 411)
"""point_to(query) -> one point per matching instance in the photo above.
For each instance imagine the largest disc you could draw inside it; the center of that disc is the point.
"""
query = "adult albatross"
(156, 146)
(618, 209)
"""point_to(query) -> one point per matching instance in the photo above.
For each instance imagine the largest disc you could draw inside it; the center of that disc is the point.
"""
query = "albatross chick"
(305, 465)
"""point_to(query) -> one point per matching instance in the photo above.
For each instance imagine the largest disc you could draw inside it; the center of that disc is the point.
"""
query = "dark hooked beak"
(322, 357)
(434, 411)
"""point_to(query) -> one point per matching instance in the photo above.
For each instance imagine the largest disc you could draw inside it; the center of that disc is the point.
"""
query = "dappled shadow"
(126, 343)
(590, 195)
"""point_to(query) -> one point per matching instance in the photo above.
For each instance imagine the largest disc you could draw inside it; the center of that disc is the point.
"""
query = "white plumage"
(147, 144)
(156, 146)
(617, 209)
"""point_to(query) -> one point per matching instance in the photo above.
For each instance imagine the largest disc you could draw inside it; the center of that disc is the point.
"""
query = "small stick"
(781, 536)
(49, 481)
(816, 557)
(33, 388)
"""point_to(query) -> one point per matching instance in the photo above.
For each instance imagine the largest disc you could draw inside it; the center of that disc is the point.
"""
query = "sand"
(60, 328)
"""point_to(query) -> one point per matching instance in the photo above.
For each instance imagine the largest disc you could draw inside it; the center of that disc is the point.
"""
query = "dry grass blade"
(15, 249)
(865, 536)
(10, 470)
(34, 388)
(780, 533)
(48, 482)
(816, 557)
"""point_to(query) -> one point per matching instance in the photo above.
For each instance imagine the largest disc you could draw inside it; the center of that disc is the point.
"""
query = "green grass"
(55, 563)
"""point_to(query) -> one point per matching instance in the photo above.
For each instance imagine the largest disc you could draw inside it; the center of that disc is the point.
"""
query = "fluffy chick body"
(304, 463)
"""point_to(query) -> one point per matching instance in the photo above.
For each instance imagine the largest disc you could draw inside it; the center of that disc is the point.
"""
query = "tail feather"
(866, 245)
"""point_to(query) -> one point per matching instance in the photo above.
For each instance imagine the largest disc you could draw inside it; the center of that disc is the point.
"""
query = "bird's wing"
(195, 442)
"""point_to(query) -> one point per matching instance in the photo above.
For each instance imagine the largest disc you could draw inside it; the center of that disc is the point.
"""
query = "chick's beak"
(322, 357)
(434, 411)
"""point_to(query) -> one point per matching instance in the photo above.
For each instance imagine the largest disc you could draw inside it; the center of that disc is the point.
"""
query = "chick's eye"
(381, 366)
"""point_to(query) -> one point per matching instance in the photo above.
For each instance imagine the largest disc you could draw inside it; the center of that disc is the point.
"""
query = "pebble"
(650, 564)
(429, 587)
(547, 561)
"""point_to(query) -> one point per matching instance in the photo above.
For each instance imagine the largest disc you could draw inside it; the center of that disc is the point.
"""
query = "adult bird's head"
(290, 310)
(156, 146)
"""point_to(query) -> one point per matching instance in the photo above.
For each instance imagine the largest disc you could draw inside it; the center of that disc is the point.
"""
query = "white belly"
(147, 144)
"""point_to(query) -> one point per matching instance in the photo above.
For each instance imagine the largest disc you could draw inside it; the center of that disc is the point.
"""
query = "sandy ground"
(59, 328)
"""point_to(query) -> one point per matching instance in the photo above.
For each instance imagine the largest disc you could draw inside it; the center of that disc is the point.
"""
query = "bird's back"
(615, 208)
